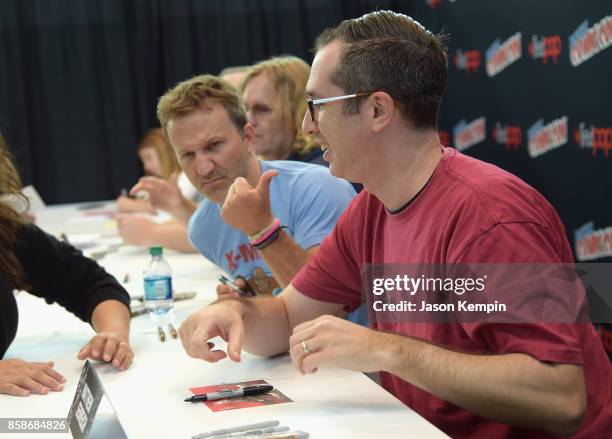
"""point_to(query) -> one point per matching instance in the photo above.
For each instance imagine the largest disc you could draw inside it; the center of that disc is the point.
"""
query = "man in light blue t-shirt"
(304, 197)
(261, 221)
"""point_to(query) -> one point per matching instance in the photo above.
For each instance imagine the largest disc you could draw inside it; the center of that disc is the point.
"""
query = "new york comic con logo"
(594, 137)
(466, 134)
(508, 135)
(592, 244)
(586, 42)
(468, 60)
(545, 48)
(433, 4)
(543, 138)
(500, 55)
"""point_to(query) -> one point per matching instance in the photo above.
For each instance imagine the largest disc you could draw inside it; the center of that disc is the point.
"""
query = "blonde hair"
(155, 138)
(189, 95)
(290, 75)
(10, 219)
(234, 69)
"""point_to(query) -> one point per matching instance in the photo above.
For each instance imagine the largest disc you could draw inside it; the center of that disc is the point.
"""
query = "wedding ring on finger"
(304, 347)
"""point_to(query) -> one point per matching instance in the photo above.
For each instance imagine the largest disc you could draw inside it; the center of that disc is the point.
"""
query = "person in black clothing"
(34, 261)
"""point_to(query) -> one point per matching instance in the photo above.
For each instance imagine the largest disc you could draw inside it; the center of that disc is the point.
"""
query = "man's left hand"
(247, 208)
(108, 347)
(334, 342)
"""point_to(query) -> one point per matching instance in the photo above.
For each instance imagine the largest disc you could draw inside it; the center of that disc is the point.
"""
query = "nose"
(308, 126)
(204, 165)
(251, 117)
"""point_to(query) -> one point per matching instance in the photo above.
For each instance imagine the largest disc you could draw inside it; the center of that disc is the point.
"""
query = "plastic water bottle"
(157, 283)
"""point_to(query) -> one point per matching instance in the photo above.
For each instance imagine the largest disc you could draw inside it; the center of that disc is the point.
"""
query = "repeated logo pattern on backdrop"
(529, 90)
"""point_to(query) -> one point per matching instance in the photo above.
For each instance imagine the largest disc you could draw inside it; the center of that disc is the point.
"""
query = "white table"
(148, 398)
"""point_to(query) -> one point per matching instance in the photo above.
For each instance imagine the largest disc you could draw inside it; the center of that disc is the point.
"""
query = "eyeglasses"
(312, 102)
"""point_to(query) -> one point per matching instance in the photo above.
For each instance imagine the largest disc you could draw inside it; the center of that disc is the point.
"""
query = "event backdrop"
(528, 86)
(529, 89)
(80, 79)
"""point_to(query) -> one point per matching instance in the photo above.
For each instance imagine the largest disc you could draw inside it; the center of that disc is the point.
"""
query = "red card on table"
(273, 397)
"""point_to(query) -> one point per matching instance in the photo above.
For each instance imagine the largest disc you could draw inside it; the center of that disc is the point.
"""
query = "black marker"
(229, 393)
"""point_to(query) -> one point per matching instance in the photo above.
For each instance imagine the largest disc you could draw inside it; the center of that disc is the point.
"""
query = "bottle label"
(158, 288)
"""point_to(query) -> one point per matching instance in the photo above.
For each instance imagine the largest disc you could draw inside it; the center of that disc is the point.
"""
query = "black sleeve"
(59, 273)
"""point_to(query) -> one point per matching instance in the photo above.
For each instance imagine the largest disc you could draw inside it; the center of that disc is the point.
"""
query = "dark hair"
(391, 52)
(10, 219)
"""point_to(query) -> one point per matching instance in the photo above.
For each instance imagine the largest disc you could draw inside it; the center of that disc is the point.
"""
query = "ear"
(248, 133)
(381, 110)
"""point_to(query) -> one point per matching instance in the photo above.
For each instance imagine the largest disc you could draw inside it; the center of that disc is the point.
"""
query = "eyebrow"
(205, 144)
(212, 139)
(260, 105)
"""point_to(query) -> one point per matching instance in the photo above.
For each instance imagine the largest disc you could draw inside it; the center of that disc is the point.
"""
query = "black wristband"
(270, 239)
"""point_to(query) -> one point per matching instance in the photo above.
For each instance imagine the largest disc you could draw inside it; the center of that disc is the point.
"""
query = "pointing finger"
(236, 337)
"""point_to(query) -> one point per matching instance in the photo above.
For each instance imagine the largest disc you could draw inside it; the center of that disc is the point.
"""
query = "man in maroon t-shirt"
(375, 87)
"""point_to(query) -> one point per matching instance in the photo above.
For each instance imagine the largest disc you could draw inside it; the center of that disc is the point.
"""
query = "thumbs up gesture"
(247, 208)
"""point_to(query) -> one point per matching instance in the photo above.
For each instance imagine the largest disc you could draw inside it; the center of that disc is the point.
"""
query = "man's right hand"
(227, 292)
(222, 319)
(163, 194)
(20, 378)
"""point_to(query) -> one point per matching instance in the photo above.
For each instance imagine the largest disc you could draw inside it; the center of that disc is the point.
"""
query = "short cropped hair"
(190, 95)
(391, 52)
(289, 75)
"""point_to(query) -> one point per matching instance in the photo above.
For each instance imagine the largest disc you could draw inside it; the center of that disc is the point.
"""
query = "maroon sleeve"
(332, 274)
(526, 243)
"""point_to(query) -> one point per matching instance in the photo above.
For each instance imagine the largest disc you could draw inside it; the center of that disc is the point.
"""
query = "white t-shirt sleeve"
(188, 190)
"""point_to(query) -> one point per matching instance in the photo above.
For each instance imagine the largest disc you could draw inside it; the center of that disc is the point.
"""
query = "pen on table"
(161, 333)
(172, 330)
(230, 393)
(186, 295)
(286, 435)
(138, 312)
(225, 281)
(239, 428)
(253, 433)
